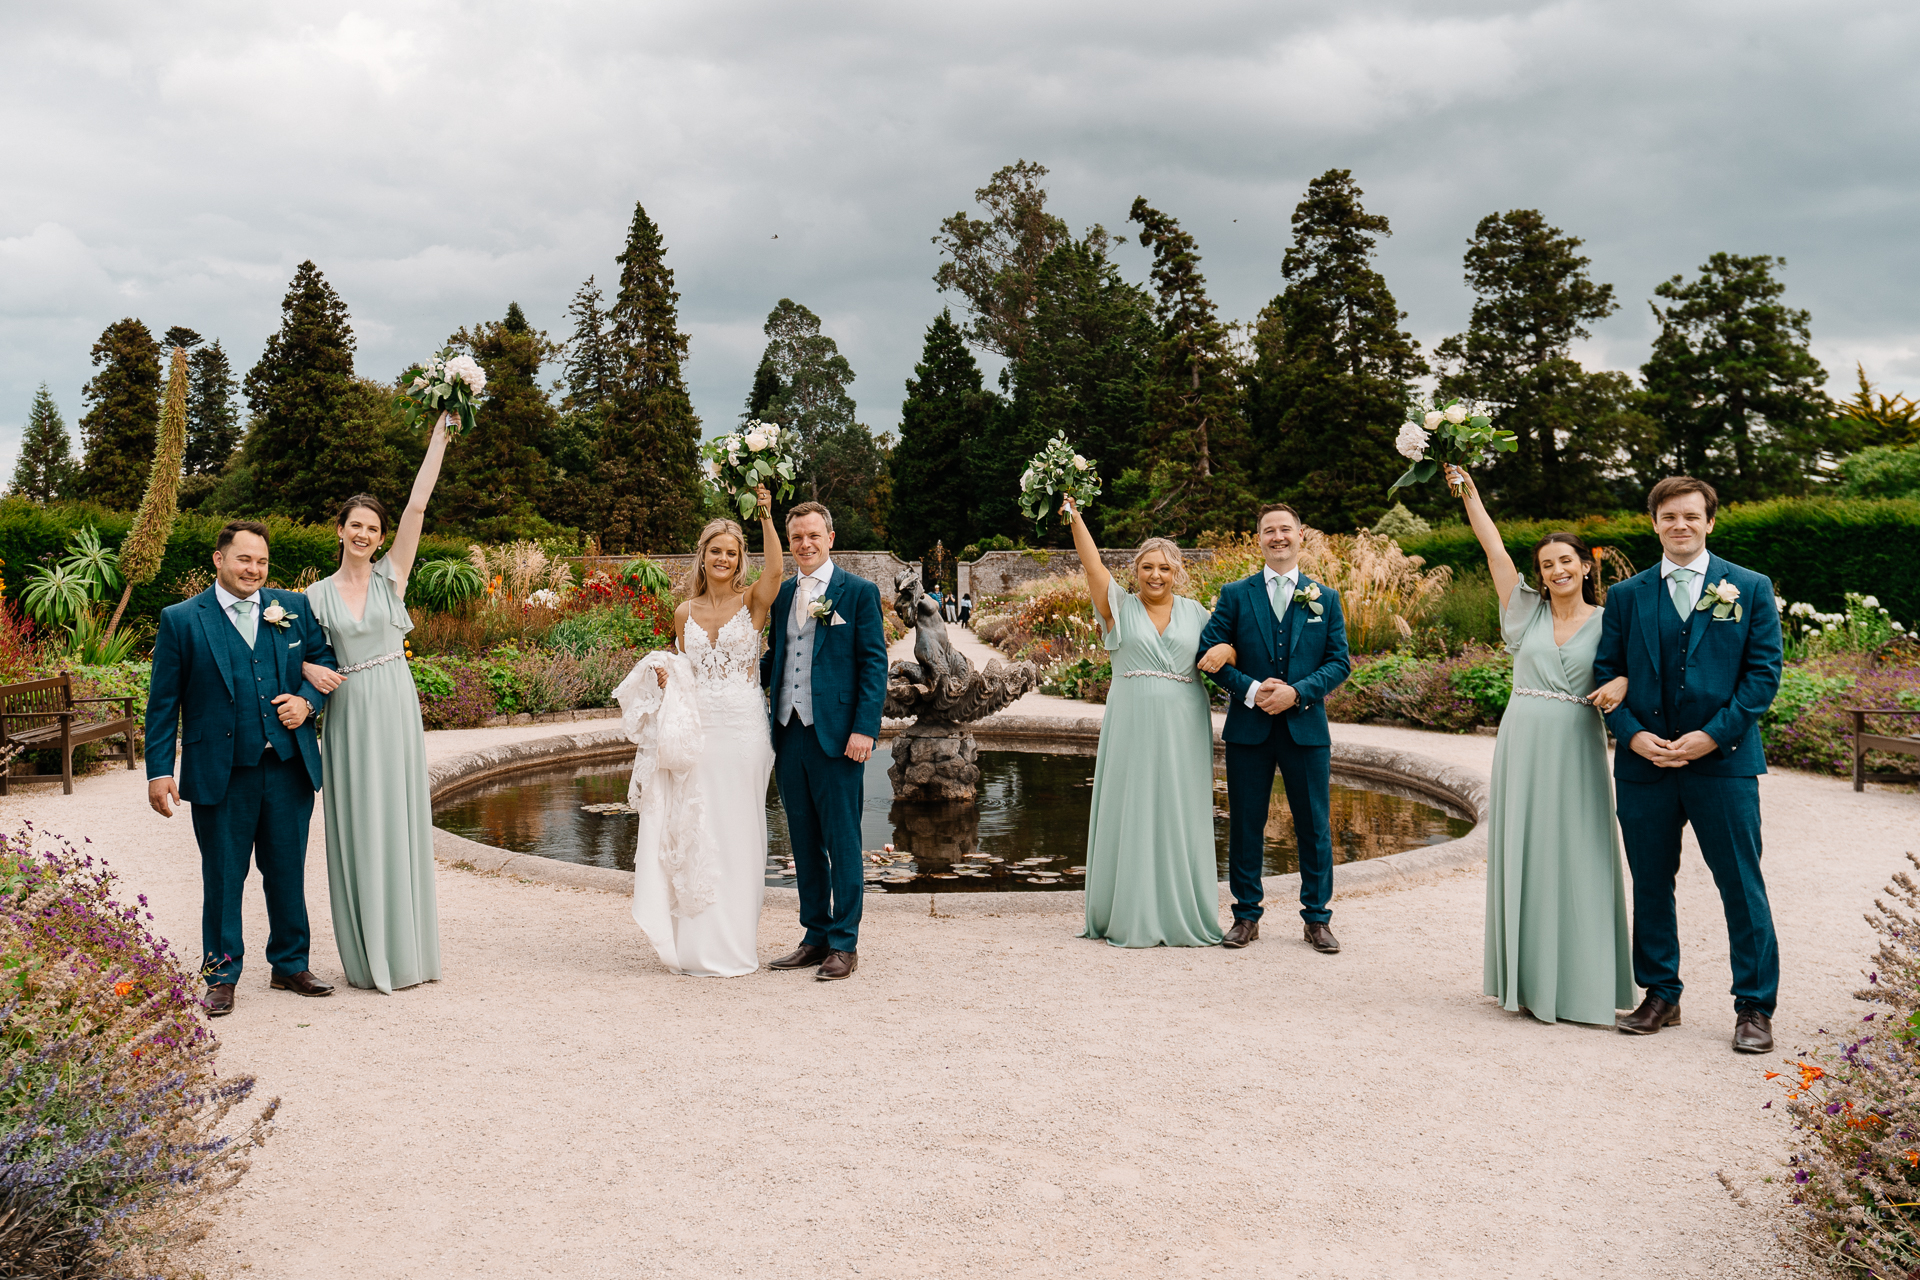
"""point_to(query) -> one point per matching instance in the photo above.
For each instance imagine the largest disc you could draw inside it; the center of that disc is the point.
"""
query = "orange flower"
(121, 988)
(1913, 1158)
(1773, 1075)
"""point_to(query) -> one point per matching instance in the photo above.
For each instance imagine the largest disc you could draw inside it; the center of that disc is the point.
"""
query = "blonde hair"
(714, 529)
(1167, 547)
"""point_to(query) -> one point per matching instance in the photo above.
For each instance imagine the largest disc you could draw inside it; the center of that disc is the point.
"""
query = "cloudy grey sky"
(438, 160)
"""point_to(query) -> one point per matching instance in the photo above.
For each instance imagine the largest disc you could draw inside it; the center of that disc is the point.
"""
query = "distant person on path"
(1556, 932)
(827, 670)
(1152, 877)
(966, 609)
(249, 764)
(939, 602)
(1698, 639)
(1291, 638)
(379, 811)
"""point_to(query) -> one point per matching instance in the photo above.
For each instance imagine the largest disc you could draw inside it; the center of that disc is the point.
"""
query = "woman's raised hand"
(1221, 655)
(766, 505)
(1459, 479)
(1068, 507)
(325, 679)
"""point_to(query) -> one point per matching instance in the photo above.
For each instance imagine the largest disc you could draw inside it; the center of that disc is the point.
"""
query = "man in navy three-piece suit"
(1289, 639)
(1698, 639)
(227, 680)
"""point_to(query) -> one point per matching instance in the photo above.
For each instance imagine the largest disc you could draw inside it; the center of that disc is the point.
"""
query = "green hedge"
(29, 531)
(1814, 549)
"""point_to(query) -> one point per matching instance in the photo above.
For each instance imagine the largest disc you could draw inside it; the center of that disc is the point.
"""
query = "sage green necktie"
(1677, 588)
(1280, 598)
(243, 619)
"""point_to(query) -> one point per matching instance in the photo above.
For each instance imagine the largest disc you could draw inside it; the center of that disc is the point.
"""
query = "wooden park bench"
(43, 715)
(1864, 742)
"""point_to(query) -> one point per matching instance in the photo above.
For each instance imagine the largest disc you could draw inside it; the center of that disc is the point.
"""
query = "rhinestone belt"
(1163, 675)
(1557, 697)
(373, 662)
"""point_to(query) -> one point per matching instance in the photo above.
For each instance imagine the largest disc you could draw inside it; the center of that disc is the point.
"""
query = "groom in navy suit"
(1290, 642)
(827, 669)
(227, 679)
(1698, 639)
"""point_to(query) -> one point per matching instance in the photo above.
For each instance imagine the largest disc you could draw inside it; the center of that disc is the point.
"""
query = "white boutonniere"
(1723, 598)
(276, 615)
(1309, 596)
(820, 609)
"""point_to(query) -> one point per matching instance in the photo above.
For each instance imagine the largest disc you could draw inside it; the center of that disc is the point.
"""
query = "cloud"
(439, 160)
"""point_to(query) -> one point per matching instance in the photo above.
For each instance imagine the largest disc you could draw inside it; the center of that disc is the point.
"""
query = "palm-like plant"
(87, 559)
(57, 593)
(444, 584)
(644, 575)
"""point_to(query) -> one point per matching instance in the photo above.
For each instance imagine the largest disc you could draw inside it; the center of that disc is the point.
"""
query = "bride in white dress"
(700, 774)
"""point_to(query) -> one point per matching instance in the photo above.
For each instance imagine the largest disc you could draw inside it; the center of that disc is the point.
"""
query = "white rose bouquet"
(445, 384)
(759, 453)
(1057, 470)
(1450, 433)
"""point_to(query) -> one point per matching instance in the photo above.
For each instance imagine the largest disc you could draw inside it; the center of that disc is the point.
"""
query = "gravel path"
(991, 1096)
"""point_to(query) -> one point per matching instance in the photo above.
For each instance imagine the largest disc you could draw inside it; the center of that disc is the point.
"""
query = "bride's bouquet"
(1055, 470)
(1450, 433)
(445, 384)
(759, 453)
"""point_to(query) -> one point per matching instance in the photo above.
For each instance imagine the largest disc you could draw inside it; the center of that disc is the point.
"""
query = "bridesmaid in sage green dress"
(1152, 877)
(374, 753)
(1556, 900)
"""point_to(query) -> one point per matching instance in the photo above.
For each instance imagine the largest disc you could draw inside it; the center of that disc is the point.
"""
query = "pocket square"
(1311, 621)
(836, 620)
(295, 644)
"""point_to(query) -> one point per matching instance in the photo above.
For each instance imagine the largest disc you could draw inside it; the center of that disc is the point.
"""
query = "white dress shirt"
(1693, 588)
(227, 600)
(1289, 583)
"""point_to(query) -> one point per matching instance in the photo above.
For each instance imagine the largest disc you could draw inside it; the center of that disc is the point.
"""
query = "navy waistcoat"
(1674, 635)
(256, 681)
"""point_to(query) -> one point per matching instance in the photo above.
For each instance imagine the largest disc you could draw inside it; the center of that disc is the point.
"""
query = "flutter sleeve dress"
(1556, 898)
(1152, 876)
(379, 814)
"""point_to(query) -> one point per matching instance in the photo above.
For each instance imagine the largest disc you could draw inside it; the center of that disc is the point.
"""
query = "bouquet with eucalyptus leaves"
(447, 383)
(1054, 471)
(1448, 433)
(759, 453)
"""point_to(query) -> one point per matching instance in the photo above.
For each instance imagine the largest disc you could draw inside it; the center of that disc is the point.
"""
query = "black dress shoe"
(1653, 1014)
(1242, 932)
(804, 956)
(219, 999)
(303, 983)
(1322, 939)
(839, 964)
(1752, 1032)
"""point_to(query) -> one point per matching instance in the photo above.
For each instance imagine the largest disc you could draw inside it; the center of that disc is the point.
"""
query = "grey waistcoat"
(796, 681)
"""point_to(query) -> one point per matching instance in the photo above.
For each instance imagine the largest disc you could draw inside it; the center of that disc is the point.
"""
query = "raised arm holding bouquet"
(445, 388)
(1056, 472)
(758, 454)
(1452, 433)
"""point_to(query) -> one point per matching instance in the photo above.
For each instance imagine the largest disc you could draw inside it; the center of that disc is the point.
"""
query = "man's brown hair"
(225, 539)
(811, 509)
(1272, 507)
(1673, 486)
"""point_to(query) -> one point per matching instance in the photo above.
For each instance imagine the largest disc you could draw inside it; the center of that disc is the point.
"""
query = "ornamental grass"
(1854, 1104)
(116, 1131)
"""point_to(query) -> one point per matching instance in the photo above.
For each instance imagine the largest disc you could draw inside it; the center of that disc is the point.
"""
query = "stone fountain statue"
(934, 758)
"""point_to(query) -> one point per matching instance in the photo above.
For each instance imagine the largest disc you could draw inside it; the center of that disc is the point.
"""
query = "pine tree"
(1191, 470)
(45, 468)
(1332, 368)
(146, 543)
(646, 492)
(118, 429)
(497, 473)
(767, 388)
(842, 463)
(213, 421)
(1534, 299)
(1733, 386)
(946, 416)
(993, 262)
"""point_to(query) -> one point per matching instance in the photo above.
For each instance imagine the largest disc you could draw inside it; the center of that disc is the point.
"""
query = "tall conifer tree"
(118, 430)
(45, 467)
(946, 416)
(842, 463)
(213, 420)
(498, 474)
(1332, 384)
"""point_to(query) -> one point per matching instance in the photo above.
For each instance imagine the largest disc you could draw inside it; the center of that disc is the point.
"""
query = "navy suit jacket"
(849, 659)
(1316, 655)
(1732, 672)
(193, 689)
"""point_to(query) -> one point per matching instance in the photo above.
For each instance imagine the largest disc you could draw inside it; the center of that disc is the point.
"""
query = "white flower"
(1898, 629)
(1080, 463)
(1726, 591)
(418, 384)
(1800, 609)
(468, 371)
(275, 614)
(1456, 413)
(757, 441)
(1870, 602)
(1313, 591)
(1026, 478)
(545, 598)
(1412, 442)
(1435, 418)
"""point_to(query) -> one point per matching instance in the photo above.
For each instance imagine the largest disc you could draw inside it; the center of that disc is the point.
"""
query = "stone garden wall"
(998, 572)
(877, 567)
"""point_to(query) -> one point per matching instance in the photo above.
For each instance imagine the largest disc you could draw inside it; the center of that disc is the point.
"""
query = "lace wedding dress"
(701, 862)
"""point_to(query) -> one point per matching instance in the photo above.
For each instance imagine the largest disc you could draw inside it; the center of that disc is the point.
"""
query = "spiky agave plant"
(146, 544)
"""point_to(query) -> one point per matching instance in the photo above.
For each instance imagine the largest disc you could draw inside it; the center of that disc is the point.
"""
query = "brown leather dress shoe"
(303, 982)
(804, 956)
(1653, 1014)
(1242, 932)
(840, 964)
(219, 999)
(1322, 939)
(1752, 1032)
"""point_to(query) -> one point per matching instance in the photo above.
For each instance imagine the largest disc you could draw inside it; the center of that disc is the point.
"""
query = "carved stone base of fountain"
(936, 833)
(934, 763)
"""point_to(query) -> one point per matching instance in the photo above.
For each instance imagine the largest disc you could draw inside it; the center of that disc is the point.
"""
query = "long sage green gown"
(1152, 877)
(378, 812)
(1556, 898)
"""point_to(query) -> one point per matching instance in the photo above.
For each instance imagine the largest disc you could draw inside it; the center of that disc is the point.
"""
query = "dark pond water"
(1028, 832)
